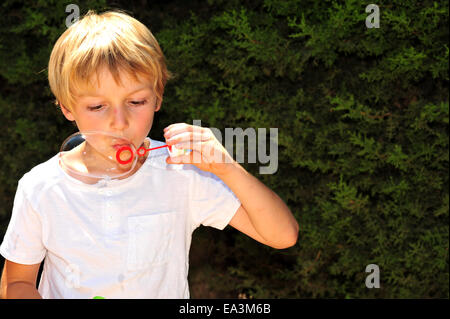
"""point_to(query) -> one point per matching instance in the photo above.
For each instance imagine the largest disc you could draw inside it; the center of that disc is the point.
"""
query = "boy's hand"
(207, 153)
(262, 215)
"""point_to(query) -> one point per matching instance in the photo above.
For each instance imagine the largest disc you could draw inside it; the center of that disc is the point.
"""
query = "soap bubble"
(98, 155)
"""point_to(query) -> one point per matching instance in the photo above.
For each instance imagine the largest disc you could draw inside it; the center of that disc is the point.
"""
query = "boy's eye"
(94, 108)
(138, 102)
(98, 107)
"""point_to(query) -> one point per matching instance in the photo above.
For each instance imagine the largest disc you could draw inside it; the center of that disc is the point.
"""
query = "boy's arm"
(19, 281)
(263, 215)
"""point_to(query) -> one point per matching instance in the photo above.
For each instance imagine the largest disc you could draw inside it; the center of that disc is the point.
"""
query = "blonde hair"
(113, 40)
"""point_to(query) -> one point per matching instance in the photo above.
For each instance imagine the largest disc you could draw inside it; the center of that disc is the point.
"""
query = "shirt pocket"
(149, 240)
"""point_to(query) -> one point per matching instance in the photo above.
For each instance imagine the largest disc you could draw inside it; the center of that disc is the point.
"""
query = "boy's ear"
(67, 114)
(158, 105)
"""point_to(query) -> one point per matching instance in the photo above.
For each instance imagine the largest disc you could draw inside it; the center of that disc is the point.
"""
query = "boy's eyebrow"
(96, 95)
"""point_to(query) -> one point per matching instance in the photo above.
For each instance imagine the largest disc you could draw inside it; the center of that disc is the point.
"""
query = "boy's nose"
(119, 119)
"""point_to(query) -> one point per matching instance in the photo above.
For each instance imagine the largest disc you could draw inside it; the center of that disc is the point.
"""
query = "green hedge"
(362, 117)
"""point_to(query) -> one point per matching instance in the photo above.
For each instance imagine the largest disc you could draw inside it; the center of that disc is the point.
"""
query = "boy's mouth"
(119, 146)
(120, 141)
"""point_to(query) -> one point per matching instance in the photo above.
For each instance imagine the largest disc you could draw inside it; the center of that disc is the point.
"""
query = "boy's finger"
(171, 126)
(182, 159)
(187, 137)
(178, 128)
(198, 146)
(203, 152)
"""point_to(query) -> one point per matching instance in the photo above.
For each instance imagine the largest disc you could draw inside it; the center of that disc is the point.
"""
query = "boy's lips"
(119, 146)
(119, 143)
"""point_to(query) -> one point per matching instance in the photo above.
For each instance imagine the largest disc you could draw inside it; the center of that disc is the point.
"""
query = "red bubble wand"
(141, 151)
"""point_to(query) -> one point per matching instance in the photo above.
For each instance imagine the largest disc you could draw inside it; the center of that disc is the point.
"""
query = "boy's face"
(126, 110)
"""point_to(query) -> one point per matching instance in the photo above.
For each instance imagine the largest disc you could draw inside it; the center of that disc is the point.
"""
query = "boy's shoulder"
(41, 177)
(44, 172)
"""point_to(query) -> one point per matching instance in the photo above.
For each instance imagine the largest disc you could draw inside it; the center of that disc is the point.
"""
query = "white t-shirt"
(119, 239)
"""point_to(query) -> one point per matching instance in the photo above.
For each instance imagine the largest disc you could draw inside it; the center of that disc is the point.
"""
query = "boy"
(126, 238)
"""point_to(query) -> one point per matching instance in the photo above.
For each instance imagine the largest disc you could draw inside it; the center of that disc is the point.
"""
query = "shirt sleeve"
(22, 242)
(212, 202)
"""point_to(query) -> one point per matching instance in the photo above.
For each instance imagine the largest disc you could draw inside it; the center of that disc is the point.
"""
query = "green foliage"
(362, 117)
(363, 124)
(33, 128)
